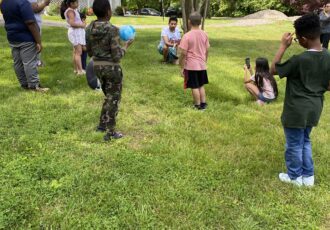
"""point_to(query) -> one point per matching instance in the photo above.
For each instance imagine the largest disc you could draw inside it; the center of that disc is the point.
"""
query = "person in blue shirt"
(24, 39)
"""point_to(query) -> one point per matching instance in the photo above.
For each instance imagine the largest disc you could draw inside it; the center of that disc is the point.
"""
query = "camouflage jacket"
(102, 42)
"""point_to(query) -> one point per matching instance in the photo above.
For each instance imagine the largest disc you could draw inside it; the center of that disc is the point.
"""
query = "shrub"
(119, 11)
(53, 8)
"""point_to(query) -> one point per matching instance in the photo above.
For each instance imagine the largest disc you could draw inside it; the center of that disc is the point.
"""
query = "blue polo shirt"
(16, 13)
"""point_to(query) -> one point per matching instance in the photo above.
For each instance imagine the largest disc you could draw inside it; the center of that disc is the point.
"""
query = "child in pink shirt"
(194, 51)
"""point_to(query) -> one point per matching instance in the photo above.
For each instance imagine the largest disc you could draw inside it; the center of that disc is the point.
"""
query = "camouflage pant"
(111, 80)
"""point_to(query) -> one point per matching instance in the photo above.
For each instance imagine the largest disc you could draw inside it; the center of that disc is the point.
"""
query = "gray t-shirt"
(171, 35)
(325, 23)
(37, 15)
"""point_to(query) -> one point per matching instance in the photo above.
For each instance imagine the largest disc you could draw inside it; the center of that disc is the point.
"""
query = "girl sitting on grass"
(261, 85)
(76, 31)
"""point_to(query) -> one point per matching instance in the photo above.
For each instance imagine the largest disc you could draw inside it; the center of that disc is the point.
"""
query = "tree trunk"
(189, 6)
(207, 2)
(184, 16)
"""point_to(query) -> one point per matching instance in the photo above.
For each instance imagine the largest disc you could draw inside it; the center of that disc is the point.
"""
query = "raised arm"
(118, 52)
(247, 74)
(38, 7)
(285, 44)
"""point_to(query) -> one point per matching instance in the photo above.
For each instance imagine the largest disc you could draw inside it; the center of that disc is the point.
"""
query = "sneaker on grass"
(308, 181)
(113, 135)
(40, 89)
(284, 177)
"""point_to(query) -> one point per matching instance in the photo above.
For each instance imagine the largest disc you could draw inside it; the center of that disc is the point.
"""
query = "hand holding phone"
(247, 62)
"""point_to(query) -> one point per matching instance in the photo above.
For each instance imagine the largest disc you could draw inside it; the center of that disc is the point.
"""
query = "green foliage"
(119, 11)
(177, 168)
(244, 7)
(54, 9)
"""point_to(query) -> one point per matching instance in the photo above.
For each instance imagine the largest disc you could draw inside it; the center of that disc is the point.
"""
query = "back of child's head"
(262, 65)
(64, 6)
(263, 72)
(308, 26)
(195, 19)
(101, 8)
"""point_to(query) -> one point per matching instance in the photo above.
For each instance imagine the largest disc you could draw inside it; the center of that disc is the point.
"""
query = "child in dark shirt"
(308, 79)
(103, 44)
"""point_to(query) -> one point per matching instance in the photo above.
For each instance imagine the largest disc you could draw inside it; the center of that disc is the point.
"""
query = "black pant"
(325, 40)
(83, 59)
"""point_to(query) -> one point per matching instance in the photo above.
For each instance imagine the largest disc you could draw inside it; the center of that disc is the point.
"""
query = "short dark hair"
(308, 26)
(172, 18)
(101, 8)
(195, 19)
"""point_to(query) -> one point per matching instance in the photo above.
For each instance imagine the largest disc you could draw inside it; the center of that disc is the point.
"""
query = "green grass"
(140, 20)
(177, 168)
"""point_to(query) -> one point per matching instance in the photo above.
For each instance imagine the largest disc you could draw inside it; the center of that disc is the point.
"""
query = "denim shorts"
(172, 54)
(264, 99)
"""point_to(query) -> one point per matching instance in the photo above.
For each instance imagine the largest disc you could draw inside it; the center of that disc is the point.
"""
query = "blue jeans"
(298, 152)
(172, 53)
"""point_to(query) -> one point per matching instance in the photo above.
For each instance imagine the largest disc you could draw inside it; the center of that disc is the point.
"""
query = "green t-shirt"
(308, 78)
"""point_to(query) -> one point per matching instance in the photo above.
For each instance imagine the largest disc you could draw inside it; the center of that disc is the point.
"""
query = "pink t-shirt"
(196, 43)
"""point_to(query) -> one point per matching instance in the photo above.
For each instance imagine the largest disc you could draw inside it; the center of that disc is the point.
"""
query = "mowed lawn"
(142, 20)
(176, 168)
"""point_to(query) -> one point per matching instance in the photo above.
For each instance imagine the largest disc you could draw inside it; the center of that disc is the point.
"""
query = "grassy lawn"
(177, 168)
(140, 20)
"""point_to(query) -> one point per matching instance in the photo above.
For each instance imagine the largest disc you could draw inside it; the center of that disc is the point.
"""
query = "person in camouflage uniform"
(103, 44)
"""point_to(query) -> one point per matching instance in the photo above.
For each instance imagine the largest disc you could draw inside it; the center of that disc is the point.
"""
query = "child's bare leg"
(202, 94)
(252, 89)
(77, 58)
(196, 96)
(73, 60)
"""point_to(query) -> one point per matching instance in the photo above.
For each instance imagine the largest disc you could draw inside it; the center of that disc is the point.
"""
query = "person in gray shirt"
(325, 25)
(38, 7)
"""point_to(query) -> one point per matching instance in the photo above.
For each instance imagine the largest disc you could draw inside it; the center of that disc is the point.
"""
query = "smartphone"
(247, 62)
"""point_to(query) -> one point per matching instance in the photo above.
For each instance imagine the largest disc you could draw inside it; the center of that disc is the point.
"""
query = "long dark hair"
(64, 6)
(262, 72)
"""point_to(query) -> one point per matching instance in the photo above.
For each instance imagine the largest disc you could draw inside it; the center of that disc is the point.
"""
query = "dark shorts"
(264, 99)
(195, 79)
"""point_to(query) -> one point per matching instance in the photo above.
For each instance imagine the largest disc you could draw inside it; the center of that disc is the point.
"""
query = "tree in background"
(305, 6)
(238, 8)
(138, 4)
(189, 6)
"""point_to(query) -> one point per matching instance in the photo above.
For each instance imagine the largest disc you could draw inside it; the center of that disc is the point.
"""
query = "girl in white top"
(76, 31)
(261, 85)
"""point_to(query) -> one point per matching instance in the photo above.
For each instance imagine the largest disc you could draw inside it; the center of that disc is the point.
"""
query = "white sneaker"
(308, 181)
(284, 177)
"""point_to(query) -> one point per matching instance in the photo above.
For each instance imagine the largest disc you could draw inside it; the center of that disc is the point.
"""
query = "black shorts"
(195, 79)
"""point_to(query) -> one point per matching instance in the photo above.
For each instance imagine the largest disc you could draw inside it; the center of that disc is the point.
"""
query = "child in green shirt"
(308, 78)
